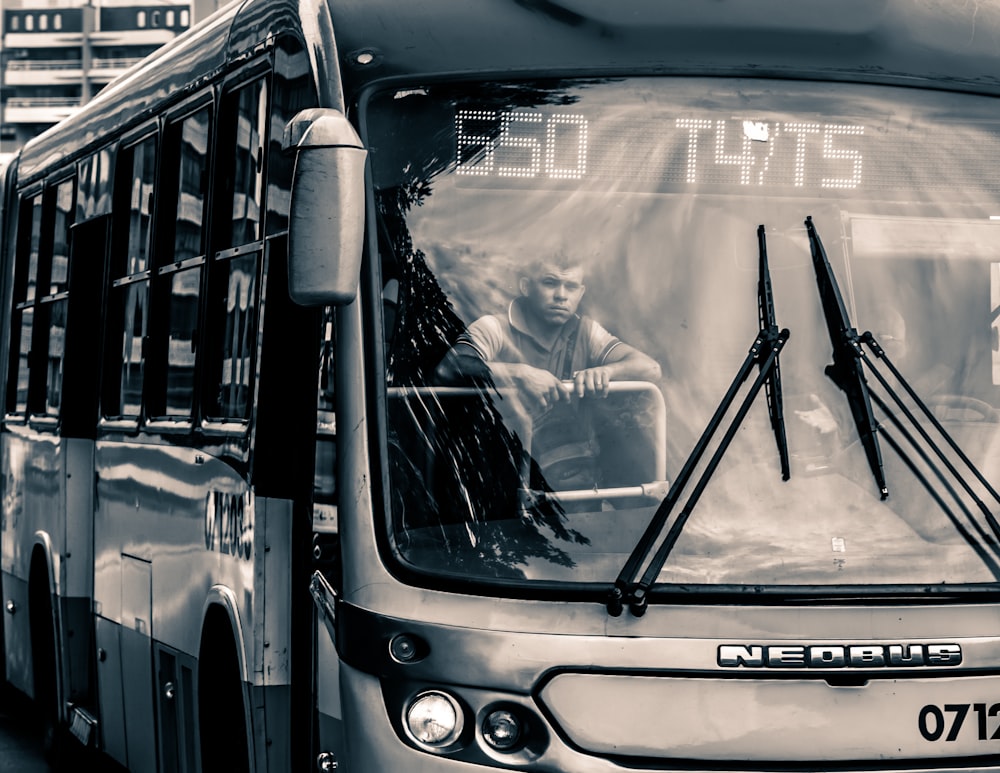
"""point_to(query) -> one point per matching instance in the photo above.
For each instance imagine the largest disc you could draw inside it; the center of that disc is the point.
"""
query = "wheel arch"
(221, 640)
(43, 589)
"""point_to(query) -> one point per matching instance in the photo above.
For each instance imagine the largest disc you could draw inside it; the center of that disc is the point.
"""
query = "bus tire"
(222, 712)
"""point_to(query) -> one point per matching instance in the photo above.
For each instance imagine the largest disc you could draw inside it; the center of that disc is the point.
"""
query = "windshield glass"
(570, 284)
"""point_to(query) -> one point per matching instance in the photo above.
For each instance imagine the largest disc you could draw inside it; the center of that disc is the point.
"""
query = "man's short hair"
(559, 259)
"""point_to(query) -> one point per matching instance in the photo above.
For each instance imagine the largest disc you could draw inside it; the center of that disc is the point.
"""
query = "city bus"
(255, 517)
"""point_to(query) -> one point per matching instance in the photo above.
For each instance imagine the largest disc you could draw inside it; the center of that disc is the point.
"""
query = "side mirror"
(327, 210)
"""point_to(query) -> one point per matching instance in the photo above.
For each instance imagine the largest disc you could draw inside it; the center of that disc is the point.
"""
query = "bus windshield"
(573, 226)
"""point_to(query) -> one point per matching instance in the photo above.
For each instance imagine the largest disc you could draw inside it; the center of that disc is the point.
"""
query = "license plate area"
(778, 719)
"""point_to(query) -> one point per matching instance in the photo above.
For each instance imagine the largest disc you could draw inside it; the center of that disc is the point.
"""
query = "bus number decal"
(934, 725)
(229, 523)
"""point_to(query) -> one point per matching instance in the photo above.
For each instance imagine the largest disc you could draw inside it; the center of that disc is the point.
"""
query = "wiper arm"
(869, 340)
(846, 370)
(764, 351)
(768, 325)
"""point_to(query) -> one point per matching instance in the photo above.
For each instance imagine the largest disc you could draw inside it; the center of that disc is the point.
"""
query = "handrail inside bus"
(658, 426)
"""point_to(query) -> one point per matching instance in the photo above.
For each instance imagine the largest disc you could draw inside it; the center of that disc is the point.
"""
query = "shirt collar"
(518, 322)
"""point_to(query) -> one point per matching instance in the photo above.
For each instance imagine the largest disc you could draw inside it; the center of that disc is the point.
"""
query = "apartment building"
(57, 54)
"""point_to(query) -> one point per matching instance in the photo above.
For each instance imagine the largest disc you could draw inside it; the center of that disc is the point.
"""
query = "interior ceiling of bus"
(886, 39)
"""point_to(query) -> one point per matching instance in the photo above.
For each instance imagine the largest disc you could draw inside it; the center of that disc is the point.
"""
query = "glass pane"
(543, 234)
(141, 206)
(25, 291)
(184, 291)
(31, 288)
(325, 479)
(293, 91)
(21, 397)
(59, 280)
(191, 186)
(239, 329)
(57, 352)
(134, 302)
(248, 164)
(94, 194)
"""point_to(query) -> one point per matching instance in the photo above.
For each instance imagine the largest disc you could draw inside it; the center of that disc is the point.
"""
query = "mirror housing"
(326, 221)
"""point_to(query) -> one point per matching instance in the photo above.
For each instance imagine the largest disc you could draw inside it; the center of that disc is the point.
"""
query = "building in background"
(55, 55)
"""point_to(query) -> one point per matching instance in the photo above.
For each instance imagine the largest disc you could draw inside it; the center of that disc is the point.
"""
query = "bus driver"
(550, 354)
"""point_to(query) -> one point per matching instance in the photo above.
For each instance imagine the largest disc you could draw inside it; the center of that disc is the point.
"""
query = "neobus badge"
(229, 523)
(839, 655)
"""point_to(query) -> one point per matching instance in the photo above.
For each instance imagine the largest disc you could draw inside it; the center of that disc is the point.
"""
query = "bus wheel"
(222, 724)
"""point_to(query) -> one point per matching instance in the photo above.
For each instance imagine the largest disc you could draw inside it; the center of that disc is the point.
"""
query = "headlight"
(434, 719)
(502, 730)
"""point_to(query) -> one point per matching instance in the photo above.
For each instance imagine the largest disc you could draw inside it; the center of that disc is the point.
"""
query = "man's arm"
(622, 363)
(463, 364)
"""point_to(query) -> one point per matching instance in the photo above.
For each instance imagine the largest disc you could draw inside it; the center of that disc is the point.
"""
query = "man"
(550, 354)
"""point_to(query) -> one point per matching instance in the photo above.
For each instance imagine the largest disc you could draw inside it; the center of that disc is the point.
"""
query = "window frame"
(48, 301)
(29, 200)
(165, 266)
(225, 252)
(39, 411)
(121, 274)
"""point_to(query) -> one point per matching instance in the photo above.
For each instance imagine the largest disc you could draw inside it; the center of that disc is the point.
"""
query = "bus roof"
(925, 43)
(184, 64)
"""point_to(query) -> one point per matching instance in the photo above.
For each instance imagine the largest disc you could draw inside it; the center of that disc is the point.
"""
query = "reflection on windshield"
(574, 274)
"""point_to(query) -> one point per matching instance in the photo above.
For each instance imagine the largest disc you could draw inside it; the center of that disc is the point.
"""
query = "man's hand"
(541, 386)
(592, 381)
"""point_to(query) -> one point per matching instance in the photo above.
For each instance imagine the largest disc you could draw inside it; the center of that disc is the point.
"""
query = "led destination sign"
(642, 149)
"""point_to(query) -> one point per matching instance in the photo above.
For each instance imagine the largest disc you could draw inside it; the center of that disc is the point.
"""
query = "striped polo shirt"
(505, 338)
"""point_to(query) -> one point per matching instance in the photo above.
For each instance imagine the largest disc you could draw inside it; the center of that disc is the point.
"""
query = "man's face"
(554, 294)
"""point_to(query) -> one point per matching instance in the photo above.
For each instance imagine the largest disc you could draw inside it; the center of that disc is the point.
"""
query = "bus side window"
(293, 91)
(325, 487)
(25, 292)
(53, 305)
(178, 276)
(128, 317)
(40, 297)
(233, 274)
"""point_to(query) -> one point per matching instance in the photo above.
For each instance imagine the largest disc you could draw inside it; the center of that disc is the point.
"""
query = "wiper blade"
(846, 370)
(768, 325)
(764, 352)
(880, 355)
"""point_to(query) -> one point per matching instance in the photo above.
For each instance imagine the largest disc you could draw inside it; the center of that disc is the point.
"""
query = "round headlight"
(434, 719)
(502, 730)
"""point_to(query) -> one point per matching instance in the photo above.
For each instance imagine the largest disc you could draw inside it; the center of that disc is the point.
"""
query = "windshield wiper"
(764, 352)
(869, 340)
(984, 538)
(846, 370)
(772, 387)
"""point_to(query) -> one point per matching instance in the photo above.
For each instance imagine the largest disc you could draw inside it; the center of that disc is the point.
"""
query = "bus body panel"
(34, 530)
(372, 745)
(175, 532)
(190, 518)
(35, 499)
(17, 635)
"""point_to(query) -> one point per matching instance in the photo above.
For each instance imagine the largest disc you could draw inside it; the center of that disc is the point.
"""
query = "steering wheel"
(962, 408)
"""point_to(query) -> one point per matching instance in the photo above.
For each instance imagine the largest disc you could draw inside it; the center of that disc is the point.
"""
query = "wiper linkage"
(846, 371)
(764, 352)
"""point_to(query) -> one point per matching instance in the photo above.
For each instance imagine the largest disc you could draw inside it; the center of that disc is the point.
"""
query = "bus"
(281, 490)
